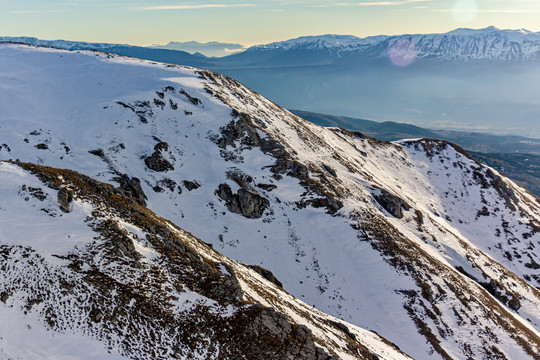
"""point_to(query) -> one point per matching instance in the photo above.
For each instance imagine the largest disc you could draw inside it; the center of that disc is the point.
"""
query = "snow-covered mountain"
(490, 43)
(60, 44)
(414, 240)
(482, 80)
(110, 277)
(462, 44)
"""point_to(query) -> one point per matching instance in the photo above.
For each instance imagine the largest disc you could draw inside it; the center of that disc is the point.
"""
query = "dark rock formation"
(131, 187)
(159, 103)
(191, 185)
(296, 341)
(514, 303)
(245, 202)
(392, 203)
(156, 161)
(290, 167)
(267, 187)
(4, 297)
(64, 198)
(193, 100)
(332, 205)
(343, 328)
(267, 274)
(168, 183)
(329, 170)
(243, 129)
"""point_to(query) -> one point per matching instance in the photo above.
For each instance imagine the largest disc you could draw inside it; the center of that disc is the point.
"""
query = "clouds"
(192, 6)
(382, 3)
(37, 11)
(370, 3)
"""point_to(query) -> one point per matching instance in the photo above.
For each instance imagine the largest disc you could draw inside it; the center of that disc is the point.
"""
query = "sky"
(250, 22)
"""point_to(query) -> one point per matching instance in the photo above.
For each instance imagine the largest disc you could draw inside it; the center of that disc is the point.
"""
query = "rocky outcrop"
(245, 202)
(131, 187)
(288, 341)
(392, 203)
(242, 131)
(64, 198)
(267, 274)
(156, 161)
(126, 291)
(191, 99)
(191, 185)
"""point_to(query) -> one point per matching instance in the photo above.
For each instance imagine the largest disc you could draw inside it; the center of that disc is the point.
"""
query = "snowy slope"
(111, 279)
(389, 237)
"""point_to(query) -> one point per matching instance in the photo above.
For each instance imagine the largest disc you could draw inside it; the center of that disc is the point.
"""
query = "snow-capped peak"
(489, 43)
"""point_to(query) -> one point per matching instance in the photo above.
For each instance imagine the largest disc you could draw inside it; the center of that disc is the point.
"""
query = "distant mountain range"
(490, 44)
(483, 80)
(211, 49)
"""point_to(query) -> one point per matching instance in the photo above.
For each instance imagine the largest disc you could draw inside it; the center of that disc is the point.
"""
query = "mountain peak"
(442, 242)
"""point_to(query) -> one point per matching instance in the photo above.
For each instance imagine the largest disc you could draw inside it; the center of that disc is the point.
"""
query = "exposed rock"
(229, 289)
(4, 297)
(156, 161)
(159, 103)
(267, 274)
(332, 205)
(64, 198)
(161, 146)
(140, 108)
(243, 129)
(191, 185)
(267, 187)
(343, 328)
(132, 187)
(290, 167)
(290, 342)
(117, 240)
(42, 146)
(329, 170)
(245, 202)
(193, 100)
(97, 152)
(514, 303)
(392, 203)
(419, 217)
(168, 183)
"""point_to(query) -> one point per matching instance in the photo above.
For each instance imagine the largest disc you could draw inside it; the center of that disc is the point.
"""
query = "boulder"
(267, 274)
(64, 198)
(392, 203)
(245, 202)
(131, 187)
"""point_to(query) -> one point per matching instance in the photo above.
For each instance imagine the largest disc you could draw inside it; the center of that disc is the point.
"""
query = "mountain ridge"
(489, 81)
(210, 298)
(464, 44)
(460, 44)
(441, 242)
